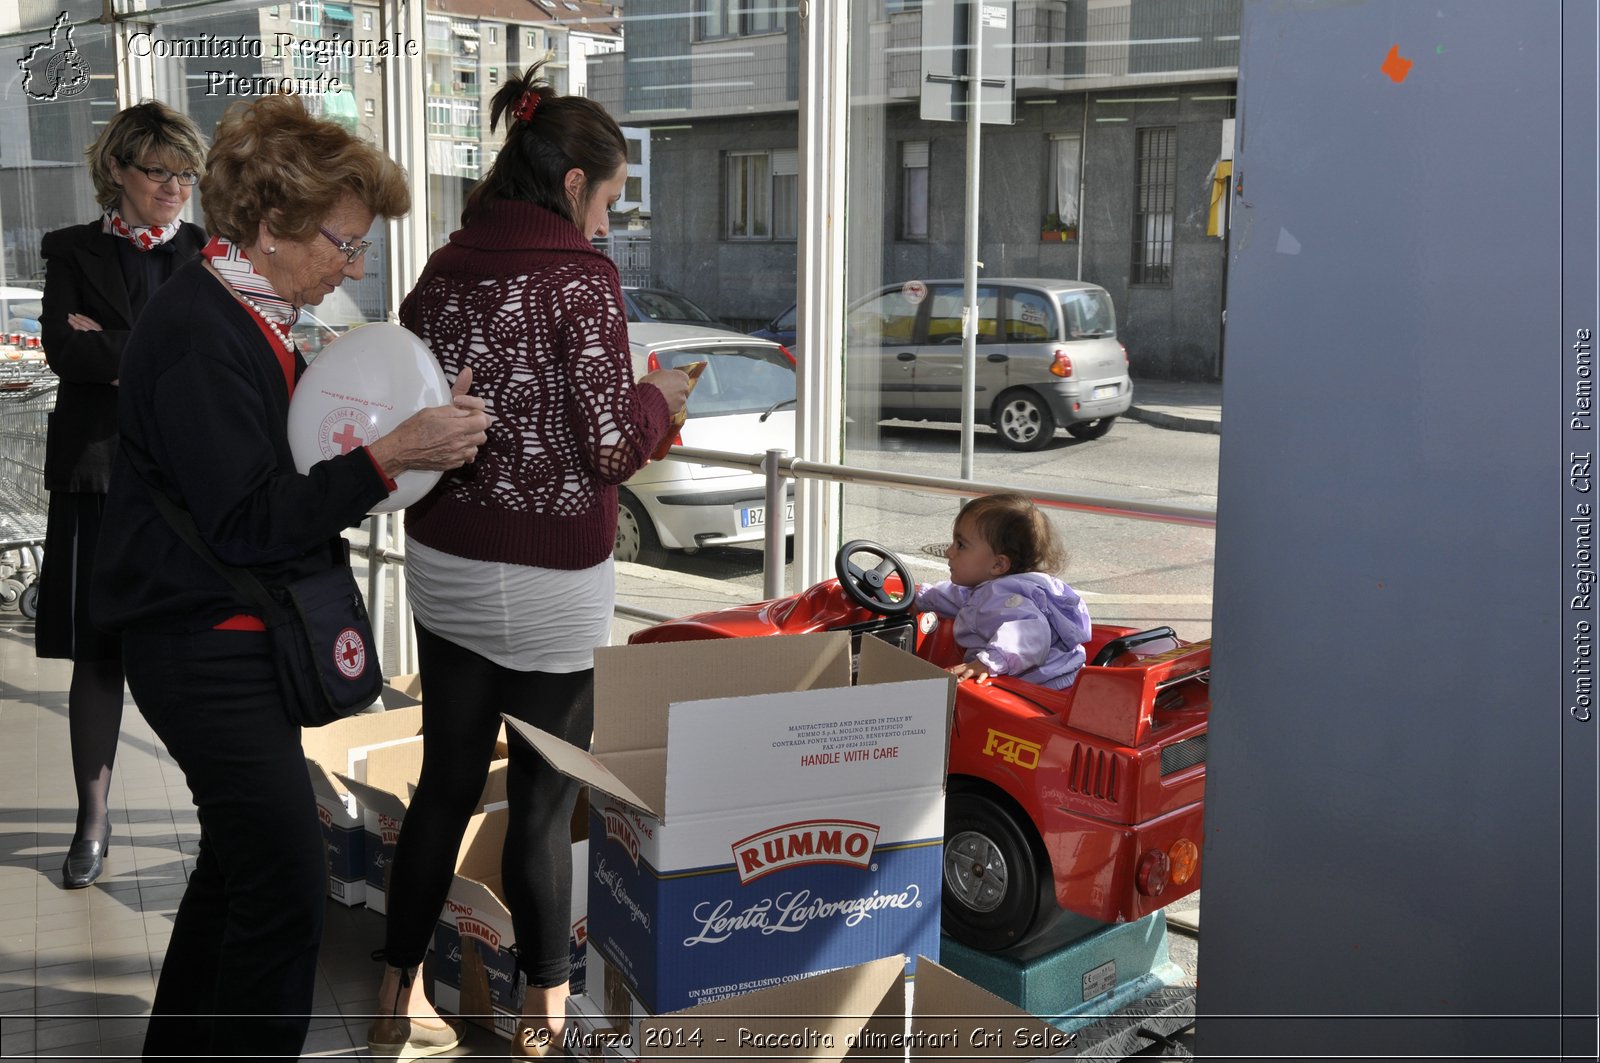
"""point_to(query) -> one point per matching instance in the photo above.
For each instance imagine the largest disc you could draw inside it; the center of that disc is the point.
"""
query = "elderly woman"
(98, 278)
(206, 381)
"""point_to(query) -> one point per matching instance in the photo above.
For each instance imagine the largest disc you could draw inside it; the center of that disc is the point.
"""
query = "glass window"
(884, 319)
(749, 196)
(1089, 315)
(945, 305)
(1030, 318)
(914, 190)
(735, 379)
(1061, 187)
(1155, 188)
(366, 20)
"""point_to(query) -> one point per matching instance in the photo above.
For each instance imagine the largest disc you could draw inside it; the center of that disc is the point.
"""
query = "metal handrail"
(779, 466)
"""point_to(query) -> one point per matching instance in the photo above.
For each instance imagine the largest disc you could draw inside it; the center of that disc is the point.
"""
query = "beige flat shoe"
(396, 1035)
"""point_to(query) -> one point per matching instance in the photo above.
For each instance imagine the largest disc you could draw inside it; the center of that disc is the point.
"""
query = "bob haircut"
(271, 161)
(1013, 526)
(564, 133)
(146, 132)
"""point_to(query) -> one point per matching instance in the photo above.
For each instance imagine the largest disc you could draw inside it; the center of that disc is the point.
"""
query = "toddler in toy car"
(1012, 617)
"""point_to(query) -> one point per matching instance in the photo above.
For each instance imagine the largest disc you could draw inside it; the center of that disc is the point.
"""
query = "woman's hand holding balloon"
(440, 437)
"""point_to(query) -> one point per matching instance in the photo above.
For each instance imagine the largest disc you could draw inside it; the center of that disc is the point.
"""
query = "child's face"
(972, 560)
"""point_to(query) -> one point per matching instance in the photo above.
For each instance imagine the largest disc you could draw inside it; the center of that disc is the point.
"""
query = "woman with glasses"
(206, 382)
(98, 277)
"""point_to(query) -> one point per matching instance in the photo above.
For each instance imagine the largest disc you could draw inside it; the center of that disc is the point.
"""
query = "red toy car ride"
(1086, 800)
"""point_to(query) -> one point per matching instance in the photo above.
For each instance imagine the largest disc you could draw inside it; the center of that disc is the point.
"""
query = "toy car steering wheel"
(865, 587)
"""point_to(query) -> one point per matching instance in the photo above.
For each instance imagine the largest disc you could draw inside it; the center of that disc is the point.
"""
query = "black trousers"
(463, 695)
(241, 964)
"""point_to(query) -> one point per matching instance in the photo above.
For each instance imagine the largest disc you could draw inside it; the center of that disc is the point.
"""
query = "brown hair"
(147, 131)
(563, 133)
(1013, 526)
(273, 162)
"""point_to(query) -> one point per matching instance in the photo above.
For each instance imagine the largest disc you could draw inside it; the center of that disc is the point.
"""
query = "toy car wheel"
(1091, 429)
(29, 602)
(997, 887)
(636, 533)
(1024, 420)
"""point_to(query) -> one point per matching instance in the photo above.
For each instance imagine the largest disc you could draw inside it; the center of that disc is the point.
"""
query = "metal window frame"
(1155, 195)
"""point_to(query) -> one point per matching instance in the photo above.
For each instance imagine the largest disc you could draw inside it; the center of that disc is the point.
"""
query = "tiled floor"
(78, 967)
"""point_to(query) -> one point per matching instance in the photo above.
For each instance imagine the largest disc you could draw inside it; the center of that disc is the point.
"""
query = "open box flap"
(944, 1002)
(807, 1013)
(646, 767)
(633, 685)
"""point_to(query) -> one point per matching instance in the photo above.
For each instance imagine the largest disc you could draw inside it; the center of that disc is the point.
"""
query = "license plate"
(756, 516)
(1105, 391)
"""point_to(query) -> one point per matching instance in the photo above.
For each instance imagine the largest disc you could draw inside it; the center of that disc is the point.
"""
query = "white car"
(743, 403)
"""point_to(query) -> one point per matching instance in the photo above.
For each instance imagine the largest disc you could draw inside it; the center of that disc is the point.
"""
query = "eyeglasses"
(351, 252)
(161, 175)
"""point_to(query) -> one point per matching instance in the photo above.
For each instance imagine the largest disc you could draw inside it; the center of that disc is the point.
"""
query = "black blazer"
(83, 276)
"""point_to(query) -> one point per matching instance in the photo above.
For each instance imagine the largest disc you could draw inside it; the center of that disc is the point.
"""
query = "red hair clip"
(526, 106)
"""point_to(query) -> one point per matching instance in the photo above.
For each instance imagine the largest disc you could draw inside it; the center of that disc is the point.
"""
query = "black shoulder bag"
(322, 646)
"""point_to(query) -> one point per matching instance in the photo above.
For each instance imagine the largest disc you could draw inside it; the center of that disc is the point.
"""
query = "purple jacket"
(1029, 625)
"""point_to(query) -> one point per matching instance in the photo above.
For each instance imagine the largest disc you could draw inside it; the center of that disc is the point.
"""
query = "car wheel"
(1091, 429)
(997, 887)
(636, 534)
(1024, 421)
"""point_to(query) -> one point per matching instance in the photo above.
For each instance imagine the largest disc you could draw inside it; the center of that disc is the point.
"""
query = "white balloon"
(360, 387)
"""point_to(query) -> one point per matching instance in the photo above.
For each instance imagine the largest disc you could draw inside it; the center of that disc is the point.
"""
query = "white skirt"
(521, 617)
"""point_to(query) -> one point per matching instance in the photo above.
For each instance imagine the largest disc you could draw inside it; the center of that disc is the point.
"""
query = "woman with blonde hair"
(98, 278)
(206, 382)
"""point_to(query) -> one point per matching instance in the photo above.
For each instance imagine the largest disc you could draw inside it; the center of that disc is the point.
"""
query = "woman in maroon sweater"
(509, 569)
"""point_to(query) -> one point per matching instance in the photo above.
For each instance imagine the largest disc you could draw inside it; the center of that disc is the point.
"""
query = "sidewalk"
(1180, 405)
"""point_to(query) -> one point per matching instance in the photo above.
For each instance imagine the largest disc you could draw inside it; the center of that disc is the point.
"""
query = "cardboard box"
(383, 791)
(755, 817)
(850, 1013)
(341, 748)
(475, 973)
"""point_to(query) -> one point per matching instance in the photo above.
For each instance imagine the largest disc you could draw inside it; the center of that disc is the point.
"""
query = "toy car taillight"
(1154, 866)
(1185, 858)
(1062, 365)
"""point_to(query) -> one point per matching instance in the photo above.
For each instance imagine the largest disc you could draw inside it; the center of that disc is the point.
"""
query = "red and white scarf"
(228, 259)
(142, 237)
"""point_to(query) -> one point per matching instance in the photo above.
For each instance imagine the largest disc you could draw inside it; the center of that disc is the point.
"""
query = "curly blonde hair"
(146, 131)
(271, 161)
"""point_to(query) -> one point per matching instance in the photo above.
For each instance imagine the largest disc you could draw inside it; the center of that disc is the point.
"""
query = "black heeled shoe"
(85, 862)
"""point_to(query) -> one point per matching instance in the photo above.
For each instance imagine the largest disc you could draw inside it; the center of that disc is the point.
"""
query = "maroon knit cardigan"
(536, 311)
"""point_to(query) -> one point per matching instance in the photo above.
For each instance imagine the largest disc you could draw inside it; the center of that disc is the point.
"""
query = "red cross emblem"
(350, 653)
(347, 439)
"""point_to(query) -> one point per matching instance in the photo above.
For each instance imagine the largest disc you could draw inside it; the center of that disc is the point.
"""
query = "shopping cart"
(27, 395)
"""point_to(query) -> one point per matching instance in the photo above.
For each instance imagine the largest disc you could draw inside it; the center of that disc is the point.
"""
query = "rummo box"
(383, 792)
(754, 817)
(475, 971)
(341, 748)
(855, 1012)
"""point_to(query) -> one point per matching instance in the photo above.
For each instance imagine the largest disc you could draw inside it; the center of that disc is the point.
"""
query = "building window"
(366, 66)
(737, 18)
(494, 75)
(494, 34)
(533, 38)
(370, 106)
(914, 190)
(1061, 189)
(366, 20)
(763, 195)
(633, 189)
(1153, 206)
(635, 151)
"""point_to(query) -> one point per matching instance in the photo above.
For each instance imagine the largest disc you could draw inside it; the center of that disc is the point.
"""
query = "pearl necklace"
(277, 329)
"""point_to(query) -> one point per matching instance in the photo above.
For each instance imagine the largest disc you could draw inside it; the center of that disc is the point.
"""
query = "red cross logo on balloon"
(342, 430)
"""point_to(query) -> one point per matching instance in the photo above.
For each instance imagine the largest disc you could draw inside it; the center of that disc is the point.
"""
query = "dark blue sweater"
(202, 413)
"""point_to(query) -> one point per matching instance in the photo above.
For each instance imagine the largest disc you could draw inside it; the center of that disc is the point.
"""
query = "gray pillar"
(1400, 806)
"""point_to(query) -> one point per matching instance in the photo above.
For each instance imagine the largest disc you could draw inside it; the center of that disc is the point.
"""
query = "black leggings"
(463, 695)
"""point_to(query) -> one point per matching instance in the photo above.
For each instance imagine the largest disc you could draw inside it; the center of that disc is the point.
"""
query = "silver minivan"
(1047, 357)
